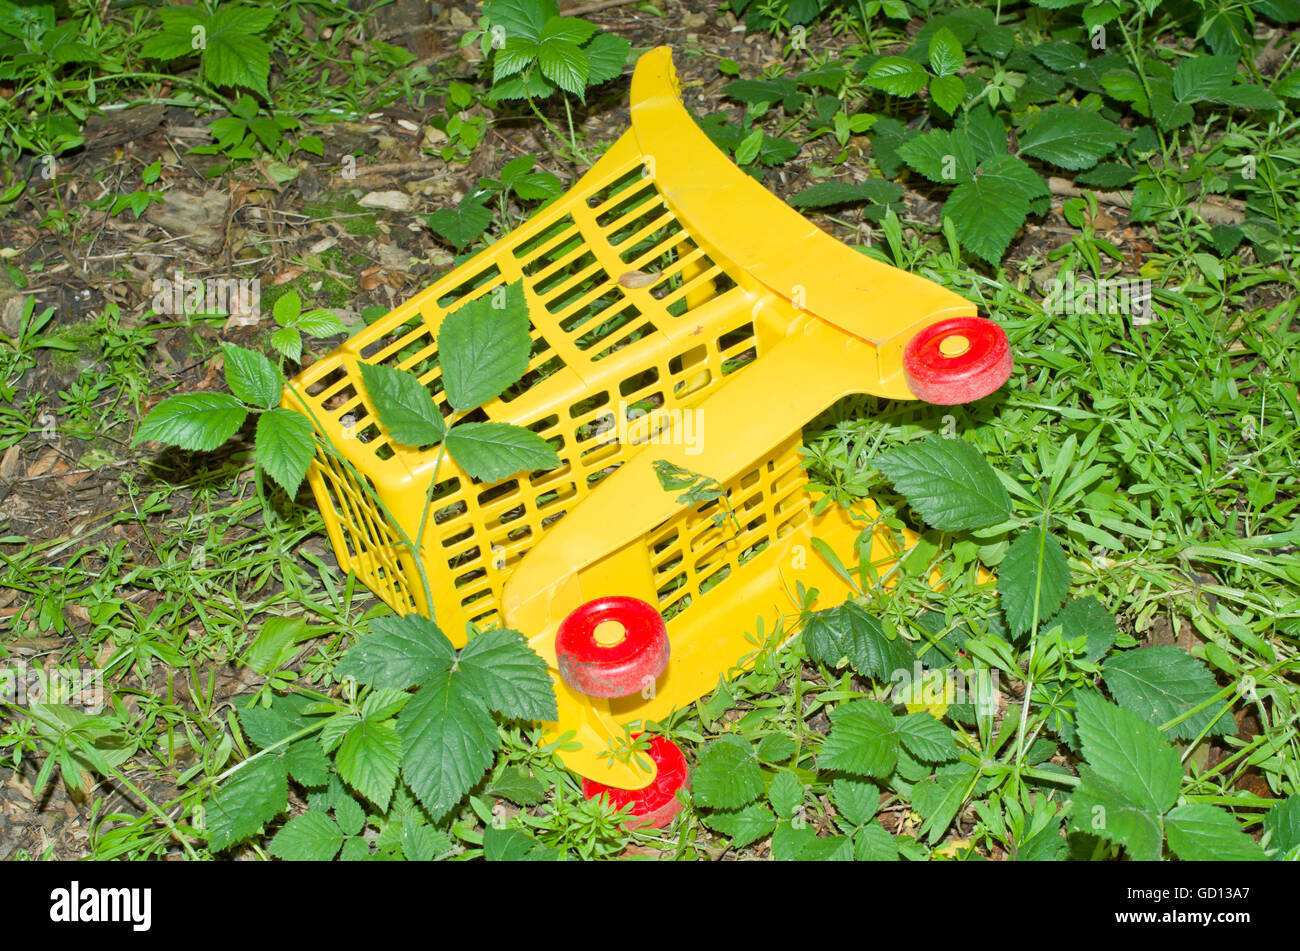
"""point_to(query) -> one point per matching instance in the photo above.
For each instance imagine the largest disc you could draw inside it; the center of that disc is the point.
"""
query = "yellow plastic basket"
(667, 282)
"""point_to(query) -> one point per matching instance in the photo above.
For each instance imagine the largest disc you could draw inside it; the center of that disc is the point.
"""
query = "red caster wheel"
(612, 647)
(957, 360)
(654, 806)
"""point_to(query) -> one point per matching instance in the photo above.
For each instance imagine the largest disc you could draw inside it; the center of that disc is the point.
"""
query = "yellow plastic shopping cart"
(679, 312)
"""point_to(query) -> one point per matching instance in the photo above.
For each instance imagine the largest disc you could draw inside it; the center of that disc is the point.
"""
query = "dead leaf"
(637, 279)
(287, 275)
(388, 201)
(371, 278)
(9, 464)
(43, 465)
(197, 220)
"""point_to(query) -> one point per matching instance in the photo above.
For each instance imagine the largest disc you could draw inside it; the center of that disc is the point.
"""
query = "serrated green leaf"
(448, 740)
(726, 776)
(368, 759)
(926, 738)
(564, 64)
(404, 405)
(785, 794)
(399, 652)
(319, 323)
(350, 816)
(196, 421)
(863, 740)
(1033, 580)
(1129, 753)
(1088, 618)
(942, 156)
(515, 845)
(513, 57)
(946, 56)
(1160, 683)
(606, 57)
(940, 795)
(251, 376)
(848, 631)
(520, 17)
(743, 826)
(775, 748)
(791, 843)
(573, 30)
(856, 800)
(288, 340)
(508, 676)
(1071, 137)
(307, 763)
(251, 798)
(873, 844)
(284, 447)
(947, 92)
(519, 787)
(897, 75)
(484, 346)
(827, 194)
(948, 482)
(490, 452)
(1202, 77)
(462, 224)
(1282, 823)
(1199, 832)
(1099, 808)
(989, 210)
(310, 837)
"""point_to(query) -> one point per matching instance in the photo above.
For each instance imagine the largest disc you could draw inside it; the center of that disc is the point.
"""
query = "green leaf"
(519, 787)
(743, 826)
(195, 421)
(1199, 832)
(606, 57)
(802, 844)
(368, 760)
(947, 92)
(276, 644)
(1033, 580)
(307, 763)
(508, 676)
(897, 76)
(856, 800)
(1160, 683)
(515, 845)
(565, 65)
(986, 133)
(251, 798)
(399, 652)
(288, 340)
(848, 631)
(1249, 96)
(1282, 823)
(1197, 78)
(319, 323)
(785, 793)
(448, 740)
(775, 748)
(1088, 618)
(1071, 137)
(404, 405)
(873, 844)
(926, 738)
(948, 482)
(251, 376)
(284, 447)
(863, 740)
(233, 54)
(946, 56)
(989, 210)
(490, 452)
(726, 775)
(310, 837)
(484, 346)
(827, 194)
(942, 156)
(422, 843)
(940, 795)
(1128, 753)
(573, 30)
(1099, 808)
(350, 816)
(515, 56)
(462, 224)
(520, 17)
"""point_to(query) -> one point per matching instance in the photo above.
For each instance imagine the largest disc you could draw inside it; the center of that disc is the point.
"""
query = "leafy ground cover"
(198, 199)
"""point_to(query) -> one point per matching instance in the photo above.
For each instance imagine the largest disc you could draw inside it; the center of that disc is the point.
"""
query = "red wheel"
(654, 806)
(957, 360)
(612, 647)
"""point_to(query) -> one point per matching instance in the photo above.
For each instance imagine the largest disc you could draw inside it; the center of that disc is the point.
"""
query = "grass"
(1163, 456)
